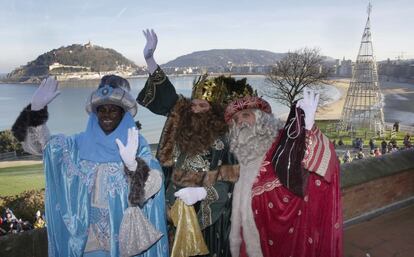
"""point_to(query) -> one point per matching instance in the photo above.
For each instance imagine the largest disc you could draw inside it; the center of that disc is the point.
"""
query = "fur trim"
(235, 238)
(138, 124)
(167, 141)
(137, 181)
(28, 118)
(187, 178)
(229, 173)
(242, 213)
(193, 178)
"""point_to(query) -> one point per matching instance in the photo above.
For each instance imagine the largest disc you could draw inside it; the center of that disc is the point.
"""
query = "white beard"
(244, 143)
(249, 144)
(249, 141)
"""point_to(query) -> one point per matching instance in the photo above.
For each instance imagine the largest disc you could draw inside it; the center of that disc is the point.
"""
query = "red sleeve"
(320, 154)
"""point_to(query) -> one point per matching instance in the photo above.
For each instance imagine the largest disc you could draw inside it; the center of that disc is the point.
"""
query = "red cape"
(300, 227)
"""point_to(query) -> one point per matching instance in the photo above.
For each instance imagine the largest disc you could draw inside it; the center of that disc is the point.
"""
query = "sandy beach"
(333, 110)
(398, 99)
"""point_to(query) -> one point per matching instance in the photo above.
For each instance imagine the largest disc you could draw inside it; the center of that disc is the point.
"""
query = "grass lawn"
(14, 180)
(328, 128)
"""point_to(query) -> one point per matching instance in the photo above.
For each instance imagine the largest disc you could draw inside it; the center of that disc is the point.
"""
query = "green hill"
(225, 57)
(69, 59)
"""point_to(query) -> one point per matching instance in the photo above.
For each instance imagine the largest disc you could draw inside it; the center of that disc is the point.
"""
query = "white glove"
(44, 94)
(149, 49)
(191, 195)
(128, 152)
(309, 104)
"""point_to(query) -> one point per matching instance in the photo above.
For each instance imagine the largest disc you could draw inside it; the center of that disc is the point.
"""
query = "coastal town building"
(345, 68)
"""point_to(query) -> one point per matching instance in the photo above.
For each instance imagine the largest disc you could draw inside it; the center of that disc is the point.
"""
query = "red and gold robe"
(291, 226)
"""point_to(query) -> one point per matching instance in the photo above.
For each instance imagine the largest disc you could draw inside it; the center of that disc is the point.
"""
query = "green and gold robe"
(215, 169)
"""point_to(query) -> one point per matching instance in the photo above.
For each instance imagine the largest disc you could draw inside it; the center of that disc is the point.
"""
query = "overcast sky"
(29, 28)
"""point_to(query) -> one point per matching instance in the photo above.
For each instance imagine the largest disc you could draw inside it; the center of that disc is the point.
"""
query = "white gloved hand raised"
(309, 104)
(44, 94)
(128, 152)
(149, 49)
(191, 195)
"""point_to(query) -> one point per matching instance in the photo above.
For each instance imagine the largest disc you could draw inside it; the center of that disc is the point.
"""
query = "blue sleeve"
(144, 152)
(154, 208)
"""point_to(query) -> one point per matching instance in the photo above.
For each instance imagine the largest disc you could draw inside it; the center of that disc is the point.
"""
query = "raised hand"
(128, 152)
(309, 104)
(149, 49)
(44, 94)
(191, 195)
(151, 44)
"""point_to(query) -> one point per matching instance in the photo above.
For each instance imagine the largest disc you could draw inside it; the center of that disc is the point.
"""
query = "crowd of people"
(229, 179)
(358, 151)
(10, 224)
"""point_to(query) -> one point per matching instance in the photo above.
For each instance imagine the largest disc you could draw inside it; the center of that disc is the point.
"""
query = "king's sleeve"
(218, 199)
(216, 202)
(30, 129)
(320, 156)
(158, 94)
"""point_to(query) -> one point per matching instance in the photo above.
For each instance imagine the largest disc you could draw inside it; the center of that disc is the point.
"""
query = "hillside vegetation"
(73, 58)
(225, 57)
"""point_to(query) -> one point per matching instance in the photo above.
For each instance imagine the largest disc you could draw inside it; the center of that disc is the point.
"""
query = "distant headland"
(76, 61)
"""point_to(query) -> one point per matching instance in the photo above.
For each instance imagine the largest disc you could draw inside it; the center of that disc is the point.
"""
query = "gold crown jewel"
(235, 88)
(222, 89)
(208, 89)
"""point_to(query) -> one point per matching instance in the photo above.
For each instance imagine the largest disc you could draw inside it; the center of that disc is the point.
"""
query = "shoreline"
(73, 80)
(333, 110)
(397, 106)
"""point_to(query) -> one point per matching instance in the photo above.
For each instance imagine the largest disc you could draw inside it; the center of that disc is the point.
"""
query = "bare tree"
(297, 70)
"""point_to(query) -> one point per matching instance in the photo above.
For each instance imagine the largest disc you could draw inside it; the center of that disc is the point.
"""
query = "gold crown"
(222, 89)
(209, 90)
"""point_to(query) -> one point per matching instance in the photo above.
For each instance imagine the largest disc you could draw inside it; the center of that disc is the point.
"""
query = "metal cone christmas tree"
(363, 109)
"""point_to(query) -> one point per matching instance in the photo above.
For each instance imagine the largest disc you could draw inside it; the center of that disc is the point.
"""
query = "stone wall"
(31, 243)
(376, 194)
(375, 183)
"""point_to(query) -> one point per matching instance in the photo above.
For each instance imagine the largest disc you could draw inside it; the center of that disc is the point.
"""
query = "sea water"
(67, 113)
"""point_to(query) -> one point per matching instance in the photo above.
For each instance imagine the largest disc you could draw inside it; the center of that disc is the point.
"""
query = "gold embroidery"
(158, 77)
(218, 144)
(269, 186)
(212, 196)
(154, 80)
(196, 163)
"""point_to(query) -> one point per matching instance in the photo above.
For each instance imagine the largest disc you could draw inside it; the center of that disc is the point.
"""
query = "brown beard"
(196, 132)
